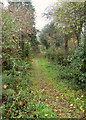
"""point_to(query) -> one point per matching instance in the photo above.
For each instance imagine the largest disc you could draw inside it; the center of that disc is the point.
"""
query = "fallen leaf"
(36, 115)
(5, 86)
(20, 103)
(57, 97)
(31, 91)
(56, 110)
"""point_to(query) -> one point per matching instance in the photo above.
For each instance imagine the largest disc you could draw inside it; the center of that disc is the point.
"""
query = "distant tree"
(24, 13)
(51, 36)
(70, 17)
(18, 31)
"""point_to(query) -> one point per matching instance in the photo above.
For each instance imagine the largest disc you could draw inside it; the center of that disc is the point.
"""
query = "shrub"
(74, 71)
(56, 54)
(13, 81)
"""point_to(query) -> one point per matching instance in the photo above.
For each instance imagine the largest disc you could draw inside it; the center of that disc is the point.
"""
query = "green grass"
(48, 67)
(50, 74)
(47, 96)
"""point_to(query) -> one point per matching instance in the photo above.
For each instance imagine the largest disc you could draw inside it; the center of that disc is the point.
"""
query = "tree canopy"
(70, 17)
(50, 36)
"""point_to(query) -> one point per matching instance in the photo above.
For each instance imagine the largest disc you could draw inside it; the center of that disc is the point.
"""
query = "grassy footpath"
(37, 91)
(51, 98)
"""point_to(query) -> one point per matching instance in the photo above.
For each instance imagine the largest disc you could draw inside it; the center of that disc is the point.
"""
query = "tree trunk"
(78, 35)
(66, 47)
(78, 40)
(85, 40)
(21, 43)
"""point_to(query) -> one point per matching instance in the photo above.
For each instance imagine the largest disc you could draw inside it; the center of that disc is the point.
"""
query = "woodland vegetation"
(45, 77)
(64, 39)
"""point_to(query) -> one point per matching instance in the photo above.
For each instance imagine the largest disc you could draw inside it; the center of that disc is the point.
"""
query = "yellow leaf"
(71, 58)
(31, 91)
(81, 109)
(57, 97)
(56, 110)
(69, 111)
(20, 103)
(76, 41)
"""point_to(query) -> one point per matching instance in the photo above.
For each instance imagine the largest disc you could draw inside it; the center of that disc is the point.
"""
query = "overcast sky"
(40, 6)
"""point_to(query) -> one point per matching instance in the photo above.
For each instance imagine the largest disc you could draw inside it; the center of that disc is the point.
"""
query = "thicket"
(74, 71)
(18, 43)
(50, 36)
(67, 31)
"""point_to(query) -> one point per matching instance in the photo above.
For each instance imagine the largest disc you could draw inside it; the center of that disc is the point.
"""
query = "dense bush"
(74, 70)
(49, 36)
(18, 43)
(14, 88)
(56, 54)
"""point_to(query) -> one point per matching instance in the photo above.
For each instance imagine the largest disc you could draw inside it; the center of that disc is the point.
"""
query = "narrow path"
(58, 101)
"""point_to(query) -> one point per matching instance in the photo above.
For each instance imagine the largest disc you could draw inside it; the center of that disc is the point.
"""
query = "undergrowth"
(23, 99)
(15, 83)
(73, 99)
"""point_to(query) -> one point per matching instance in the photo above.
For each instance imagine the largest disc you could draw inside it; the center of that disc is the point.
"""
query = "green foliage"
(8, 92)
(69, 19)
(74, 71)
(50, 36)
(43, 39)
(56, 54)
(41, 109)
(69, 16)
(21, 97)
(14, 90)
(57, 95)
(18, 37)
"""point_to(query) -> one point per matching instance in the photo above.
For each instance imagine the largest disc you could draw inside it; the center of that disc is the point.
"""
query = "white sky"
(40, 6)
